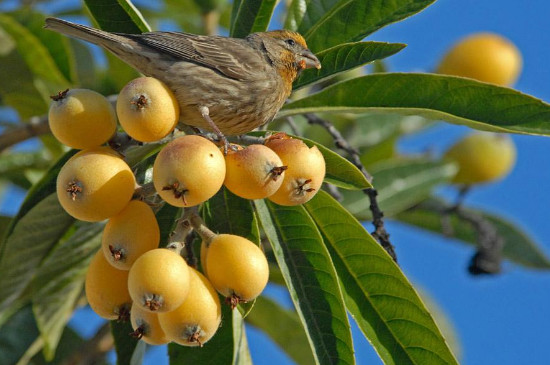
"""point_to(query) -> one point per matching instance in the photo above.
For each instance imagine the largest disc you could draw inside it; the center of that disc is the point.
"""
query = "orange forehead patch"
(285, 34)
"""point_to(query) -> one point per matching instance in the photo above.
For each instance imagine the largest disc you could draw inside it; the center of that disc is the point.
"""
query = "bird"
(225, 85)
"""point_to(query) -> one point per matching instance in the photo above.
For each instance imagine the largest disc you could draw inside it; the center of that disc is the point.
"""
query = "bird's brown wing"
(233, 57)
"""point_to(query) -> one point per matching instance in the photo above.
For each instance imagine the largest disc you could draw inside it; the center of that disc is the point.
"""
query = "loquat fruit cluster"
(132, 276)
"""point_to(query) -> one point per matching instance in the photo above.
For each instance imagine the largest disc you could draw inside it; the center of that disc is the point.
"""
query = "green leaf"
(57, 45)
(32, 49)
(41, 190)
(129, 350)
(251, 16)
(311, 279)
(117, 16)
(283, 327)
(345, 57)
(18, 86)
(221, 349)
(32, 238)
(5, 222)
(327, 23)
(20, 161)
(519, 247)
(241, 352)
(339, 171)
(228, 213)
(400, 185)
(58, 283)
(453, 99)
(17, 335)
(378, 295)
(166, 218)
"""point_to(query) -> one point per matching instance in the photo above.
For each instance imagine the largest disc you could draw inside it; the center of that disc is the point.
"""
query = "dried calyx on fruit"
(305, 170)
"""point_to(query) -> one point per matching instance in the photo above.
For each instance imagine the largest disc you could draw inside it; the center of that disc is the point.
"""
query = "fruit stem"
(198, 225)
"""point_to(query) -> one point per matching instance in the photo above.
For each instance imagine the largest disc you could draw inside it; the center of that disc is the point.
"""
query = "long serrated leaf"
(339, 171)
(41, 190)
(311, 278)
(31, 49)
(31, 239)
(129, 350)
(519, 247)
(378, 295)
(58, 283)
(400, 185)
(228, 213)
(327, 23)
(251, 16)
(452, 99)
(17, 335)
(57, 45)
(117, 16)
(18, 87)
(345, 57)
(241, 352)
(283, 327)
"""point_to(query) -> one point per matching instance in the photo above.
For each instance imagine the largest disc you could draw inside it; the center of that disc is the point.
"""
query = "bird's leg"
(205, 112)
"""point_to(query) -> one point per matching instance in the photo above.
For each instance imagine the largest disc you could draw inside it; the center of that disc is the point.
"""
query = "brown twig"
(36, 126)
(488, 257)
(380, 233)
(94, 350)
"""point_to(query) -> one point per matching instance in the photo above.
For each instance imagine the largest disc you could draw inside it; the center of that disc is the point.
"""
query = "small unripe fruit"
(236, 267)
(81, 118)
(95, 184)
(146, 326)
(254, 172)
(159, 280)
(482, 157)
(305, 170)
(107, 289)
(147, 109)
(485, 57)
(129, 234)
(198, 318)
(188, 171)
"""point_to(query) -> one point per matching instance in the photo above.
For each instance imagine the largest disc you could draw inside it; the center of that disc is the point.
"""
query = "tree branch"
(35, 127)
(380, 233)
(94, 350)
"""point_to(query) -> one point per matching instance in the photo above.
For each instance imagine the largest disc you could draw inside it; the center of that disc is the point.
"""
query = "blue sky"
(503, 319)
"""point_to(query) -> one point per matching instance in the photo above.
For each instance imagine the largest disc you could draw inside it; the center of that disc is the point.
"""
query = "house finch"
(227, 85)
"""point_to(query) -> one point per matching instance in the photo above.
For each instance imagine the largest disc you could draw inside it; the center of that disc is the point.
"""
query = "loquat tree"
(167, 230)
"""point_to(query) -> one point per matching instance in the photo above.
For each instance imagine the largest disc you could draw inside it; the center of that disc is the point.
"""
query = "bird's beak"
(308, 60)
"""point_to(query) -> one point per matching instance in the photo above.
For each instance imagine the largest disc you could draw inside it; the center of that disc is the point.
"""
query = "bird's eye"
(291, 42)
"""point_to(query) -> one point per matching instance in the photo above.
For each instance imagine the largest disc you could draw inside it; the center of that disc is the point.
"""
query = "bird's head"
(288, 52)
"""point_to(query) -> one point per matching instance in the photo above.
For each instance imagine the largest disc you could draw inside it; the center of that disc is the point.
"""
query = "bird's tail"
(92, 35)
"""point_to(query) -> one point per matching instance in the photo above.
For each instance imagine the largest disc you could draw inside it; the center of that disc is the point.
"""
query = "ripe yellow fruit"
(159, 280)
(482, 157)
(147, 110)
(254, 172)
(485, 57)
(146, 326)
(107, 289)
(129, 234)
(305, 171)
(95, 184)
(81, 118)
(198, 318)
(188, 171)
(236, 267)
